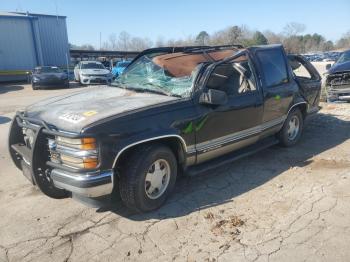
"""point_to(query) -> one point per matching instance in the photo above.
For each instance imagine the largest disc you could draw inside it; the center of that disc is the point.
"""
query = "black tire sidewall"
(142, 201)
(283, 136)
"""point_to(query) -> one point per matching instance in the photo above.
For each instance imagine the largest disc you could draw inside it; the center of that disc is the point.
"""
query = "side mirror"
(213, 97)
(328, 66)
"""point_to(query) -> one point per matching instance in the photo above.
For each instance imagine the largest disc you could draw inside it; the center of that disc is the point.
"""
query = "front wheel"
(148, 177)
(292, 129)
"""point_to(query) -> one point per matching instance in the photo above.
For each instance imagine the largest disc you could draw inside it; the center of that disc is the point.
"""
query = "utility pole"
(100, 41)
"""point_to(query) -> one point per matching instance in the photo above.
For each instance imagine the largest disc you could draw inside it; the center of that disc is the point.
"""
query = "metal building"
(28, 40)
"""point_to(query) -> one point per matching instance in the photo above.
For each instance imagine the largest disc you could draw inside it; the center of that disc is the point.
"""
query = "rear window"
(273, 67)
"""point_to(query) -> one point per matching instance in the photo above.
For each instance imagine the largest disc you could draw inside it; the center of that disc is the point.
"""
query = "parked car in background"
(119, 68)
(48, 76)
(92, 72)
(173, 110)
(337, 83)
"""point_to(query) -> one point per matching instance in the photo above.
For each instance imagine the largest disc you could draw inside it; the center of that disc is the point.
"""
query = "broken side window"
(234, 78)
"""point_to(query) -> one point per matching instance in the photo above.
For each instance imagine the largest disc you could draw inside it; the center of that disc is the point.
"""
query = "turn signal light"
(90, 162)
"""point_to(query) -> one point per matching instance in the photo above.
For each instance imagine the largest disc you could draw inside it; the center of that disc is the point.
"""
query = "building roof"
(26, 15)
(35, 14)
(2, 13)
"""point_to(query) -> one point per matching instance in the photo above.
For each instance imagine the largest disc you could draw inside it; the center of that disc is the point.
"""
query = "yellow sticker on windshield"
(89, 113)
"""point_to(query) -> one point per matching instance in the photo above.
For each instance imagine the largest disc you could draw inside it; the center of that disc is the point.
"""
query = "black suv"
(173, 110)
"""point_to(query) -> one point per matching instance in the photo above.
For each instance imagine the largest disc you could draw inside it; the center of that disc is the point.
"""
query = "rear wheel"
(148, 177)
(292, 129)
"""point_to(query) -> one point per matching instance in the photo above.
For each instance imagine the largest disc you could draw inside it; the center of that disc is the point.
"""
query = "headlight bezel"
(76, 153)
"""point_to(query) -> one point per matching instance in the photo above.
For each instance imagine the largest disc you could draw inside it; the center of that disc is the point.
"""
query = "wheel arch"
(175, 142)
(302, 106)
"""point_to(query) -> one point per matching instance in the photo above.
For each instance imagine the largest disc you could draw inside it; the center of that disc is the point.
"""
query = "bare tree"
(124, 40)
(291, 37)
(273, 38)
(139, 44)
(344, 41)
(202, 38)
(160, 42)
(113, 42)
(293, 28)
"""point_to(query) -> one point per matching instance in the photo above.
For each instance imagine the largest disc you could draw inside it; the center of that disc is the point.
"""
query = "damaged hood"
(72, 112)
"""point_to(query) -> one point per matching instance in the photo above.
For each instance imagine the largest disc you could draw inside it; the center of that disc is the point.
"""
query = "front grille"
(97, 81)
(97, 75)
(339, 80)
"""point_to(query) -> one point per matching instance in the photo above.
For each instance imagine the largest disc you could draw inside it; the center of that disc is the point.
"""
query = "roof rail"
(200, 49)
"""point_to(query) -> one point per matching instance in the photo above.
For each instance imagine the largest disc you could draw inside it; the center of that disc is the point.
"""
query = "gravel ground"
(281, 204)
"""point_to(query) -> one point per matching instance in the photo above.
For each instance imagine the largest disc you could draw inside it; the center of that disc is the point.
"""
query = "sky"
(86, 19)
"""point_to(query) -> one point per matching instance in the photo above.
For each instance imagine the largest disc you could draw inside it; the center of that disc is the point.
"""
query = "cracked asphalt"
(281, 204)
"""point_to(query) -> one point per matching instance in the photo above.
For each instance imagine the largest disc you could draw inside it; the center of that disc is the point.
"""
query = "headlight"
(75, 152)
(35, 78)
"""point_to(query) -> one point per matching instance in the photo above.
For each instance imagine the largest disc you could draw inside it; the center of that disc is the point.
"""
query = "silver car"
(92, 72)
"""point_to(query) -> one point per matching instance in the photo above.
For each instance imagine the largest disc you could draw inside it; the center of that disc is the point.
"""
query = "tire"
(34, 87)
(136, 190)
(287, 136)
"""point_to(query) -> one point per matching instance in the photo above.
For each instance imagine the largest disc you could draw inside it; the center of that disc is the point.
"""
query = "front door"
(222, 129)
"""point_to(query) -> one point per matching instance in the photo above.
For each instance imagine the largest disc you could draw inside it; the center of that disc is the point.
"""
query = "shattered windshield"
(147, 75)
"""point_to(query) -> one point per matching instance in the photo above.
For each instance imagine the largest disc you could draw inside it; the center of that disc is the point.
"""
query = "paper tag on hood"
(72, 118)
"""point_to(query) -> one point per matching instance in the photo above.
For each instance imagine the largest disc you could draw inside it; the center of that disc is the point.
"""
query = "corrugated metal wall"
(17, 50)
(53, 39)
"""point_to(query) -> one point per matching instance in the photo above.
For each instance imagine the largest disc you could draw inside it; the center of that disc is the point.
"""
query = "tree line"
(291, 37)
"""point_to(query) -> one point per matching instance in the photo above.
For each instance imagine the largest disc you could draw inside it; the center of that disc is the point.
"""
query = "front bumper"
(89, 185)
(54, 83)
(342, 94)
(95, 79)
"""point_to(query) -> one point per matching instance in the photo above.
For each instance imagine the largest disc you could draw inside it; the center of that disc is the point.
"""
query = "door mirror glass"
(213, 97)
(328, 66)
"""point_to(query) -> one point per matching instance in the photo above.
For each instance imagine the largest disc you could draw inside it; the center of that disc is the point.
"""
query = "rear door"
(279, 86)
(309, 80)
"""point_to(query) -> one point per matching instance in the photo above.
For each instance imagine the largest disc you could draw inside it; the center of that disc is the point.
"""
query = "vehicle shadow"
(321, 133)
(5, 88)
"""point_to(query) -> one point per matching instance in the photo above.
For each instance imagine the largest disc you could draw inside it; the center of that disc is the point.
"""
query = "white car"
(92, 72)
